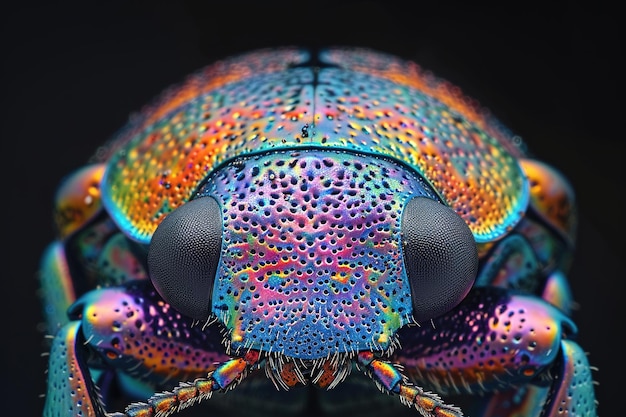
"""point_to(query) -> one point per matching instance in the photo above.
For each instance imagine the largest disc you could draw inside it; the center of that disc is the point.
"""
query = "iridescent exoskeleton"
(295, 231)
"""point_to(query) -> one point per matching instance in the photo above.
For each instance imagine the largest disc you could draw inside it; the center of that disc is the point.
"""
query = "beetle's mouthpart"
(440, 257)
(184, 254)
(286, 372)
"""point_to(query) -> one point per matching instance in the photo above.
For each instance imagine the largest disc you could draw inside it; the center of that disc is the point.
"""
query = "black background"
(74, 73)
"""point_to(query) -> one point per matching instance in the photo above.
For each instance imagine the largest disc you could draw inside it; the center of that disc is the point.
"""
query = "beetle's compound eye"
(184, 254)
(440, 257)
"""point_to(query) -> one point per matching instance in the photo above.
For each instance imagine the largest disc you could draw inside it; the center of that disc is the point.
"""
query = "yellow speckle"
(383, 338)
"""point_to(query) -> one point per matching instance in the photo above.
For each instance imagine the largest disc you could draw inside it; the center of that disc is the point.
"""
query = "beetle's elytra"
(290, 229)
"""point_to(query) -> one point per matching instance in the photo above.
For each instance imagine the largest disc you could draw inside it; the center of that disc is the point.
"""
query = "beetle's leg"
(529, 260)
(570, 393)
(497, 341)
(56, 289)
(226, 376)
(534, 255)
(552, 199)
(389, 379)
(127, 331)
(71, 390)
(60, 283)
(137, 334)
(77, 204)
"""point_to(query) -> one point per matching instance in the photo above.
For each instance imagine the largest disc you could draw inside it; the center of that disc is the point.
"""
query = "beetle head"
(313, 253)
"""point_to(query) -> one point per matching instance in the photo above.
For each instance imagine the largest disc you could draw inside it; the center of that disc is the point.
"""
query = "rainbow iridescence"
(166, 154)
(306, 254)
(312, 263)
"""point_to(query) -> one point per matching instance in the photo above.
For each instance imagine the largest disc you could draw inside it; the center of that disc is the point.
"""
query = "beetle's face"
(313, 253)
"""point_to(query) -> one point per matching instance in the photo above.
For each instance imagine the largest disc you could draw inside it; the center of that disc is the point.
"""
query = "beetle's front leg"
(571, 389)
(132, 333)
(71, 390)
(498, 341)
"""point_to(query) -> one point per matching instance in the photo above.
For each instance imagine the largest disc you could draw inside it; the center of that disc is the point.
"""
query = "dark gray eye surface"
(440, 257)
(184, 254)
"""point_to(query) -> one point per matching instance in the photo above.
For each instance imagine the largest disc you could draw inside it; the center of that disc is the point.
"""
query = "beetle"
(295, 230)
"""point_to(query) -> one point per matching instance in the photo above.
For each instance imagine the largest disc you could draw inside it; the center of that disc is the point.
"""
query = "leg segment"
(498, 341)
(571, 392)
(224, 377)
(70, 388)
(573, 388)
(56, 287)
(492, 340)
(130, 332)
(389, 379)
(135, 333)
